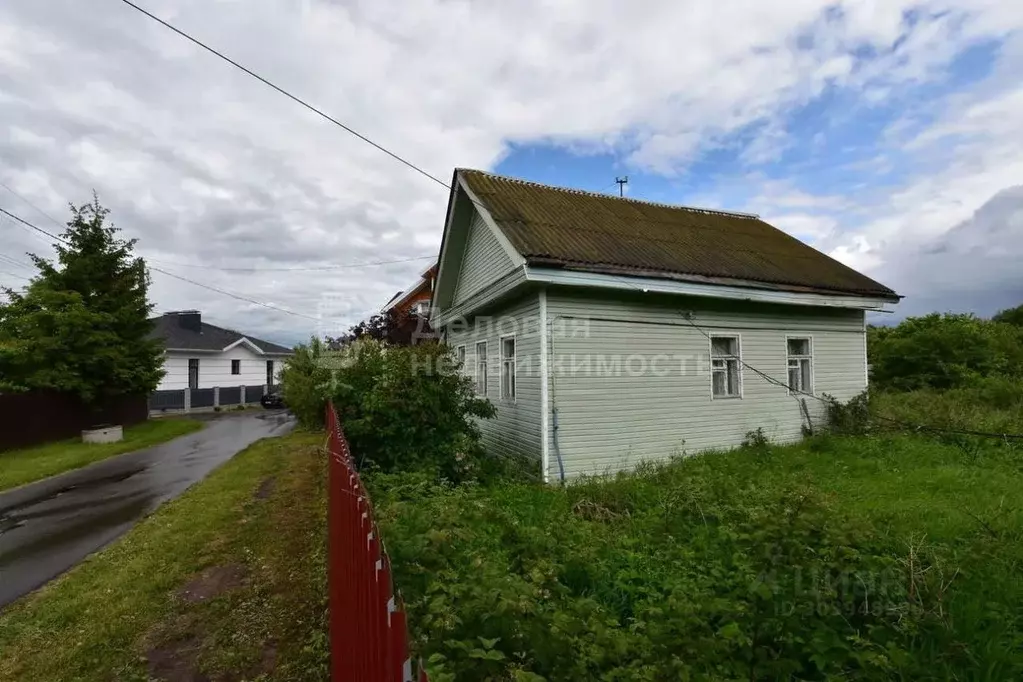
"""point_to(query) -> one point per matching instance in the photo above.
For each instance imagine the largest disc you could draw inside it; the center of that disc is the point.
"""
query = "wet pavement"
(49, 526)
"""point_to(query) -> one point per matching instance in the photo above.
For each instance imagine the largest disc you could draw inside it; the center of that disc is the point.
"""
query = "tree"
(82, 326)
(1013, 316)
(398, 329)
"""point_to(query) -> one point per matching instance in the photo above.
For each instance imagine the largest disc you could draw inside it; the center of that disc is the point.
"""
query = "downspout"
(553, 402)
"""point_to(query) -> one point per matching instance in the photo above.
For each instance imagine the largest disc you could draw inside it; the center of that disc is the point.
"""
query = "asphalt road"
(49, 526)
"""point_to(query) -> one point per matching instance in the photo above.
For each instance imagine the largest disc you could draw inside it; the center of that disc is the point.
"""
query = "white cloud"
(208, 167)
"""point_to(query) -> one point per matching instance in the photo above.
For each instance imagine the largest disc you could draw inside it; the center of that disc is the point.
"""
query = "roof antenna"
(622, 182)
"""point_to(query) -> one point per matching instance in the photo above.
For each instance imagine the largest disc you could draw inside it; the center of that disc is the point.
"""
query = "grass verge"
(885, 557)
(18, 467)
(227, 582)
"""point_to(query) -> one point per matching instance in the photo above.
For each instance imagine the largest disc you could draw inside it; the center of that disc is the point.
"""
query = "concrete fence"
(206, 399)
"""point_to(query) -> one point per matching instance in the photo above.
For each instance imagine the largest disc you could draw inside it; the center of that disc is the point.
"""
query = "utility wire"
(27, 224)
(322, 268)
(233, 295)
(906, 425)
(287, 94)
(171, 274)
(14, 261)
(4, 272)
(26, 200)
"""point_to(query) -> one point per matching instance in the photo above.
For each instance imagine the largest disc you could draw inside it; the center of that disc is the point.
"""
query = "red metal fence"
(368, 632)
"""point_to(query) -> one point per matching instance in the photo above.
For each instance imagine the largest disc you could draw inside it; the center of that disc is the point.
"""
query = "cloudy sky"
(886, 133)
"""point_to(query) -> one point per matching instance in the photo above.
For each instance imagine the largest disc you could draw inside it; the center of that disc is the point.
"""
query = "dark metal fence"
(167, 400)
(28, 419)
(202, 397)
(368, 632)
(185, 399)
(230, 395)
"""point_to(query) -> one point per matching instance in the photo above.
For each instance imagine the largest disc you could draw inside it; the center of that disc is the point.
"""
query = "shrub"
(304, 382)
(943, 351)
(851, 418)
(402, 407)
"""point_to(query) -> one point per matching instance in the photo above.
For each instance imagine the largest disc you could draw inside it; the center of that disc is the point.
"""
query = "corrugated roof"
(557, 227)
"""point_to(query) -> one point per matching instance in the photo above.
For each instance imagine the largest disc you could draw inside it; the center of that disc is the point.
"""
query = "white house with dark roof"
(201, 355)
(607, 331)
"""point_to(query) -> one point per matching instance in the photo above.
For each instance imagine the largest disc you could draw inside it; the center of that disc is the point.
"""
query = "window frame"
(461, 351)
(476, 368)
(189, 373)
(809, 339)
(236, 367)
(514, 365)
(738, 362)
(271, 373)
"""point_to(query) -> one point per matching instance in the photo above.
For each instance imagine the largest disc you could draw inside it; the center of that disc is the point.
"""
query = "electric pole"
(622, 182)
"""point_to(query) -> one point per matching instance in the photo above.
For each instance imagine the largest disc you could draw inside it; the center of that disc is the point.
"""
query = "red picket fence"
(368, 631)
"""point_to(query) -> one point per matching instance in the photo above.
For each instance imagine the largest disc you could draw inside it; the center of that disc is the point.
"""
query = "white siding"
(516, 429)
(215, 368)
(658, 401)
(483, 261)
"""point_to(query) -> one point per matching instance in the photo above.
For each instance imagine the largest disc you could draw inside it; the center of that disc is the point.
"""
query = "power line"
(234, 295)
(171, 274)
(287, 94)
(25, 223)
(14, 261)
(23, 198)
(305, 269)
(4, 272)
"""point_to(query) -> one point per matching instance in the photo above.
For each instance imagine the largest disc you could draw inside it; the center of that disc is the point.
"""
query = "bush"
(943, 351)
(402, 407)
(851, 418)
(304, 383)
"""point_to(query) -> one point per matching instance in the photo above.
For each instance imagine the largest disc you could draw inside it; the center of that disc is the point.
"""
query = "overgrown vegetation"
(227, 582)
(878, 557)
(868, 551)
(18, 467)
(945, 351)
(403, 407)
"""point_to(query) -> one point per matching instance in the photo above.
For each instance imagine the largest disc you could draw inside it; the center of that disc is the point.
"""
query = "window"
(481, 368)
(236, 367)
(800, 354)
(269, 372)
(193, 372)
(726, 379)
(508, 368)
(460, 356)
(421, 307)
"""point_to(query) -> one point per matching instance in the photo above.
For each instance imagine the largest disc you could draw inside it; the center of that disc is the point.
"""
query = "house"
(607, 331)
(416, 299)
(201, 355)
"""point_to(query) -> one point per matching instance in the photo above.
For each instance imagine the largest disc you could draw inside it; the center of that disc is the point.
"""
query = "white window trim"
(710, 349)
(465, 356)
(813, 378)
(515, 368)
(476, 368)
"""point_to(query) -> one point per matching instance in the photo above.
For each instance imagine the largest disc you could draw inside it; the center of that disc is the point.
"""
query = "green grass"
(882, 557)
(18, 467)
(122, 613)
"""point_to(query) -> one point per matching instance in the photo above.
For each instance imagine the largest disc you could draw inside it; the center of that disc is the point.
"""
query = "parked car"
(272, 401)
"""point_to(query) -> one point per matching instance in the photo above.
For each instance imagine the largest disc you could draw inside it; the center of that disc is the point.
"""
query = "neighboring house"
(607, 331)
(201, 355)
(416, 299)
